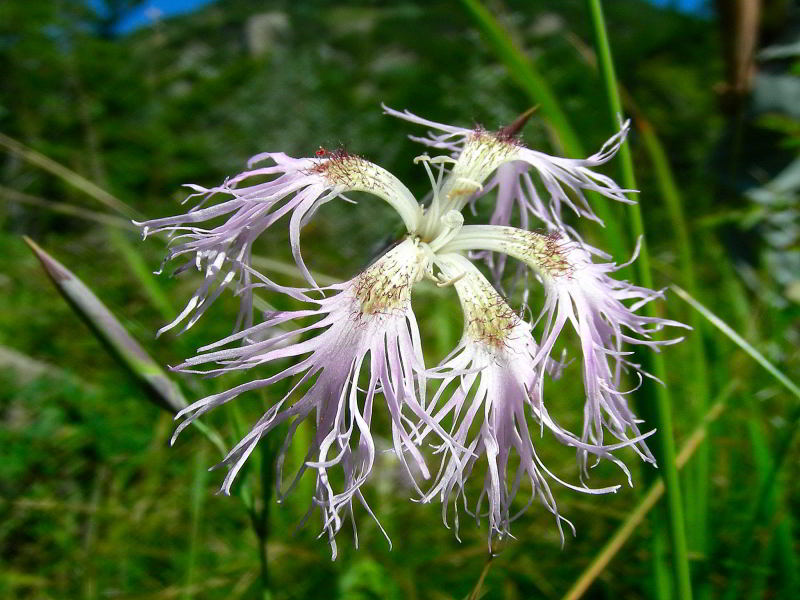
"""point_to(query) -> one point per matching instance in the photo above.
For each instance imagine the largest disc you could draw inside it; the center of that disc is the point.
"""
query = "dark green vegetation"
(94, 504)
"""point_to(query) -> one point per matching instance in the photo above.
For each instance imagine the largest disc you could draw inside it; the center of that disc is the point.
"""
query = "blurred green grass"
(93, 503)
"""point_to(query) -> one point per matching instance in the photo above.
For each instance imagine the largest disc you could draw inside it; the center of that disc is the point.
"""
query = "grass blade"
(662, 418)
(68, 175)
(526, 76)
(64, 208)
(108, 329)
(159, 387)
(738, 340)
(198, 496)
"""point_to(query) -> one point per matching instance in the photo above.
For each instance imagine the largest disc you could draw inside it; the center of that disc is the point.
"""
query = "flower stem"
(258, 520)
(663, 418)
(476, 591)
(267, 469)
(264, 563)
(698, 476)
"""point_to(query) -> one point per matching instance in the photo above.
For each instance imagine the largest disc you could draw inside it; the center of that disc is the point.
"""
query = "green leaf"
(739, 341)
(160, 388)
(130, 354)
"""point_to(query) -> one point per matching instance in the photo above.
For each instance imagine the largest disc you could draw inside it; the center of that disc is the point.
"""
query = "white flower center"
(351, 173)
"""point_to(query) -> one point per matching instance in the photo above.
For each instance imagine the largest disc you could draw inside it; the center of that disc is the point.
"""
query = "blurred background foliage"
(93, 503)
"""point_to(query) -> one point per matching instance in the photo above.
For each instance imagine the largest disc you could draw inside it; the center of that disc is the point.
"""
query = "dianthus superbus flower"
(355, 347)
(478, 153)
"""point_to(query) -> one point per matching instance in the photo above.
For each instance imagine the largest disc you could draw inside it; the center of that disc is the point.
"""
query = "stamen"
(448, 281)
(434, 209)
(452, 222)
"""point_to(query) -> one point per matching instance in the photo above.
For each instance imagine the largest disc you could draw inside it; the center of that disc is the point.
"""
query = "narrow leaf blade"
(739, 341)
(160, 388)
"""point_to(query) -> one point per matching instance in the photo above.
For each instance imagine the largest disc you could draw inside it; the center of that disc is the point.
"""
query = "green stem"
(267, 473)
(263, 562)
(698, 476)
(198, 496)
(661, 584)
(700, 473)
(476, 591)
(665, 439)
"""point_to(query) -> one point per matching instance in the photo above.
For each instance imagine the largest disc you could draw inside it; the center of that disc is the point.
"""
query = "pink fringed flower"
(478, 153)
(361, 351)
(581, 292)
